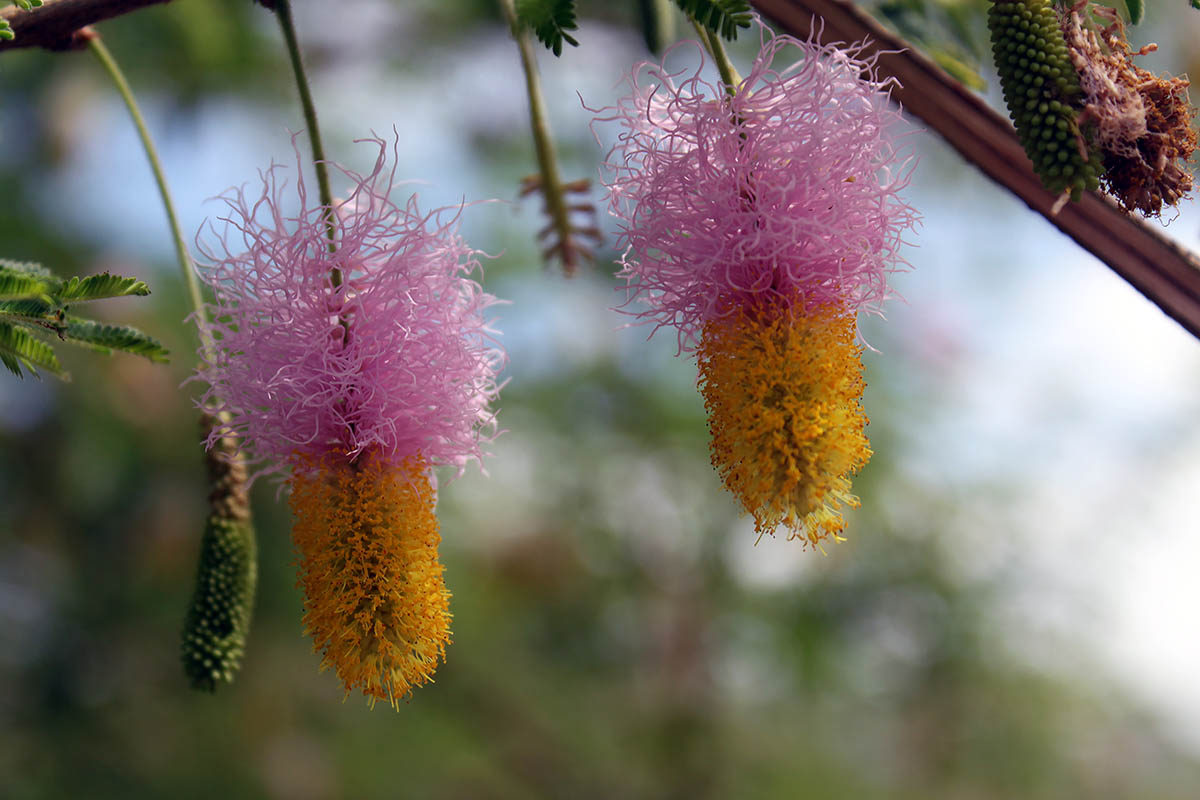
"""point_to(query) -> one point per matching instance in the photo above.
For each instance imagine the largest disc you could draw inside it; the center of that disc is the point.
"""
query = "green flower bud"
(214, 634)
(1028, 43)
(214, 631)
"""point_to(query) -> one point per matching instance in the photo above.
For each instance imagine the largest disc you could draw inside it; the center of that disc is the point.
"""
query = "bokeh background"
(1013, 615)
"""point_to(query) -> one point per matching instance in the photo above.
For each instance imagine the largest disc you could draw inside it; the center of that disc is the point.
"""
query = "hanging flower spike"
(759, 220)
(398, 357)
(787, 188)
(360, 389)
(375, 601)
(783, 391)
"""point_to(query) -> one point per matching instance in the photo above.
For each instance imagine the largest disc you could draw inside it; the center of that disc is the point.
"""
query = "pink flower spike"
(786, 190)
(398, 359)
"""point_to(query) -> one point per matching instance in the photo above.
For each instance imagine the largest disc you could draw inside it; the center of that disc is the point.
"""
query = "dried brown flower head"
(1142, 122)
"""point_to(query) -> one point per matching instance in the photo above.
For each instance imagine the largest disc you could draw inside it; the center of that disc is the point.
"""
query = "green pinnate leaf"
(29, 310)
(19, 348)
(97, 287)
(6, 32)
(30, 267)
(33, 304)
(550, 21)
(961, 71)
(1137, 10)
(28, 4)
(18, 284)
(722, 17)
(106, 338)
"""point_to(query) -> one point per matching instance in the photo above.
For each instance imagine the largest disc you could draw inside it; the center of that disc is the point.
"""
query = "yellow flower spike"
(375, 600)
(783, 390)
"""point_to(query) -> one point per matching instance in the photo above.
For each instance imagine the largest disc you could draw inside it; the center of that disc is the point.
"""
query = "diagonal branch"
(1163, 271)
(54, 24)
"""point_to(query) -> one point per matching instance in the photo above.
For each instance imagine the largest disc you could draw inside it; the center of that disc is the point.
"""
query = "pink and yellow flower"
(758, 221)
(357, 368)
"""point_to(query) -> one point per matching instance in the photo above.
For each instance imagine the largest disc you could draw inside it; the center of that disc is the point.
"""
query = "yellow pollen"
(375, 602)
(783, 389)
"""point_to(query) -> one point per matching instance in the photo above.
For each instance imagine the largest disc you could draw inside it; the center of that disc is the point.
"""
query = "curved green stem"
(543, 141)
(283, 12)
(181, 250)
(712, 43)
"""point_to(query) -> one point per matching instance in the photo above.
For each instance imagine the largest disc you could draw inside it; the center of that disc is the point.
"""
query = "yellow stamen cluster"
(375, 601)
(783, 390)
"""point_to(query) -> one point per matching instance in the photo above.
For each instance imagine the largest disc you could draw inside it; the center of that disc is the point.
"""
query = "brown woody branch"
(1163, 271)
(53, 25)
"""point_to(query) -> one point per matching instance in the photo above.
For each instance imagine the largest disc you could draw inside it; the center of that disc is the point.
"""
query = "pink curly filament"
(398, 359)
(786, 190)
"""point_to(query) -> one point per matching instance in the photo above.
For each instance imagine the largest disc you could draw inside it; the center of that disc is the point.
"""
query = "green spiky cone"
(1042, 92)
(214, 632)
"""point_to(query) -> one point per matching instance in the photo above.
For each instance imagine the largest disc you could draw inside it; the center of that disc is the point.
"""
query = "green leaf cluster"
(550, 20)
(722, 17)
(6, 31)
(35, 306)
(948, 31)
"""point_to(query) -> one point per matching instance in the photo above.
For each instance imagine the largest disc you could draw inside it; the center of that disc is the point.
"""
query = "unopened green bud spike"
(214, 633)
(1042, 92)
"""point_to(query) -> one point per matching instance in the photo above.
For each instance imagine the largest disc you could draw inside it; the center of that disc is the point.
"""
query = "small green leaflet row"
(35, 305)
(6, 31)
(551, 19)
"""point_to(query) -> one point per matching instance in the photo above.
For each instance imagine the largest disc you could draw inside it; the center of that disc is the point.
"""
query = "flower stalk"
(561, 233)
(283, 13)
(218, 618)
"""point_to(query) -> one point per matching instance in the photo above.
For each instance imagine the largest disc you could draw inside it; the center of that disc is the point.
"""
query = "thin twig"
(1163, 271)
(712, 43)
(551, 183)
(283, 12)
(186, 270)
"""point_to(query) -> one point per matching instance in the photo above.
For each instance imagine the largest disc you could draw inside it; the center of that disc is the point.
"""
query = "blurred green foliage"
(614, 638)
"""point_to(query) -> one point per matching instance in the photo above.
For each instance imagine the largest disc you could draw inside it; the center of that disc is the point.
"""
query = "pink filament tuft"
(398, 359)
(785, 190)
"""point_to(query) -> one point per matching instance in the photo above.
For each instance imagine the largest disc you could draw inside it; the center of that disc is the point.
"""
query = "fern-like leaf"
(30, 310)
(722, 17)
(98, 287)
(19, 348)
(20, 284)
(550, 21)
(34, 303)
(31, 267)
(1136, 9)
(106, 338)
(6, 32)
(28, 4)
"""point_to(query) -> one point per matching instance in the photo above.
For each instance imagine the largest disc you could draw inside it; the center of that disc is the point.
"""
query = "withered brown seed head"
(1143, 122)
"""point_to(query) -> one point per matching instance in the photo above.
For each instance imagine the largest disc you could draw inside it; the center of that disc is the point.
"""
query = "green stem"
(181, 250)
(283, 11)
(552, 190)
(712, 43)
